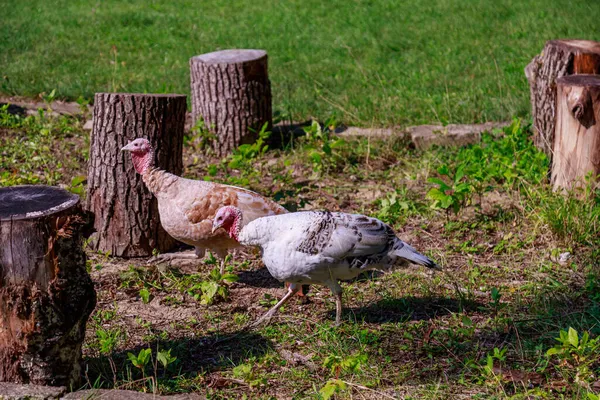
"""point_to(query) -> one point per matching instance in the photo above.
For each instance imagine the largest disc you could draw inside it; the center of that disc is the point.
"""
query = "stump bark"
(559, 58)
(46, 294)
(231, 92)
(127, 220)
(577, 138)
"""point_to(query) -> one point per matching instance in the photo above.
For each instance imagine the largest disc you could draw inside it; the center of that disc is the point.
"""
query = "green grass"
(368, 62)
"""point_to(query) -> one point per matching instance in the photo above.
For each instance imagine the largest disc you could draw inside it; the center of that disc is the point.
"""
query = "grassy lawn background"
(371, 63)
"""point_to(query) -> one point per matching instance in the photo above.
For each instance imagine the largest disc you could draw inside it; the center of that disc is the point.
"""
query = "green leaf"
(215, 274)
(443, 185)
(573, 337)
(230, 278)
(242, 371)
(443, 170)
(141, 359)
(235, 162)
(460, 172)
(447, 202)
(332, 387)
(132, 358)
(552, 351)
(463, 187)
(78, 180)
(165, 357)
(162, 358)
(316, 157)
(145, 295)
(436, 194)
(209, 290)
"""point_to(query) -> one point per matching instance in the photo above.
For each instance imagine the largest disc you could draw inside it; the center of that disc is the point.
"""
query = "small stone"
(13, 391)
(371, 132)
(425, 136)
(563, 258)
(107, 394)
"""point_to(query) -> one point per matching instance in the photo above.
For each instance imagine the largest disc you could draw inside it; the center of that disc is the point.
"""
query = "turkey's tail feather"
(407, 252)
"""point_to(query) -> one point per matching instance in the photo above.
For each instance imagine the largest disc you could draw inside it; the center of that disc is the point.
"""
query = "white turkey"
(319, 247)
(187, 207)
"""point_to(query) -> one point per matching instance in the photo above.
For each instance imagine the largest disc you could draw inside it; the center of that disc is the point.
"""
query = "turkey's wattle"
(141, 161)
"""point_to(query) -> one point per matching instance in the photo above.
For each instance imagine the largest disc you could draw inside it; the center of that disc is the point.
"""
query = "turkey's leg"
(221, 255)
(337, 292)
(292, 289)
(338, 308)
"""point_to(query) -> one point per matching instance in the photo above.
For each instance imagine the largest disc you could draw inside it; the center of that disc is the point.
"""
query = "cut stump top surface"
(159, 95)
(586, 46)
(233, 56)
(579, 80)
(31, 201)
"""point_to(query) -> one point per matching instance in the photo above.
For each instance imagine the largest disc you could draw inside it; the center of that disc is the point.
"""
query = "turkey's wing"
(356, 235)
(252, 204)
(206, 206)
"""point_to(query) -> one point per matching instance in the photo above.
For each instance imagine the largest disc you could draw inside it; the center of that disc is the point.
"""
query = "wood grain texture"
(127, 220)
(231, 92)
(577, 138)
(46, 294)
(559, 58)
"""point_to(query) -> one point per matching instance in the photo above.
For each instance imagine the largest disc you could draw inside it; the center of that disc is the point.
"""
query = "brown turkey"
(187, 207)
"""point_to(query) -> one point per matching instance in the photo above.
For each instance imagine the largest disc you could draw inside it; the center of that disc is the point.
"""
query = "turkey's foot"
(265, 319)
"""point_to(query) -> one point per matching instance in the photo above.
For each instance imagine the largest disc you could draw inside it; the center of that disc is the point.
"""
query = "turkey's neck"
(160, 182)
(157, 180)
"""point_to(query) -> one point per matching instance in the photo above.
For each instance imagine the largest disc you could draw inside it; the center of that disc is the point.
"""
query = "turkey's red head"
(142, 154)
(230, 219)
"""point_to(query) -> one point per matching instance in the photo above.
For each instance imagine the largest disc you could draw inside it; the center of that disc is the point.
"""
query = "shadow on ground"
(194, 356)
(409, 309)
(258, 278)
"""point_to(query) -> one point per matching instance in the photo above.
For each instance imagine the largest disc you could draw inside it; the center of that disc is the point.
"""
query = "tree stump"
(559, 58)
(127, 220)
(46, 294)
(577, 138)
(231, 92)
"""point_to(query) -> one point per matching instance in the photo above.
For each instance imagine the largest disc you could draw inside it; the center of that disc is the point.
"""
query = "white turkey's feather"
(322, 247)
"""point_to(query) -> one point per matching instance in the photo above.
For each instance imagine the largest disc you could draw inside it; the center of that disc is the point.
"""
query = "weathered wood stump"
(559, 58)
(231, 92)
(46, 294)
(577, 138)
(127, 220)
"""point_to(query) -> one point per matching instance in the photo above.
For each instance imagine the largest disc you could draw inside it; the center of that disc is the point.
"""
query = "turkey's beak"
(215, 226)
(126, 148)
